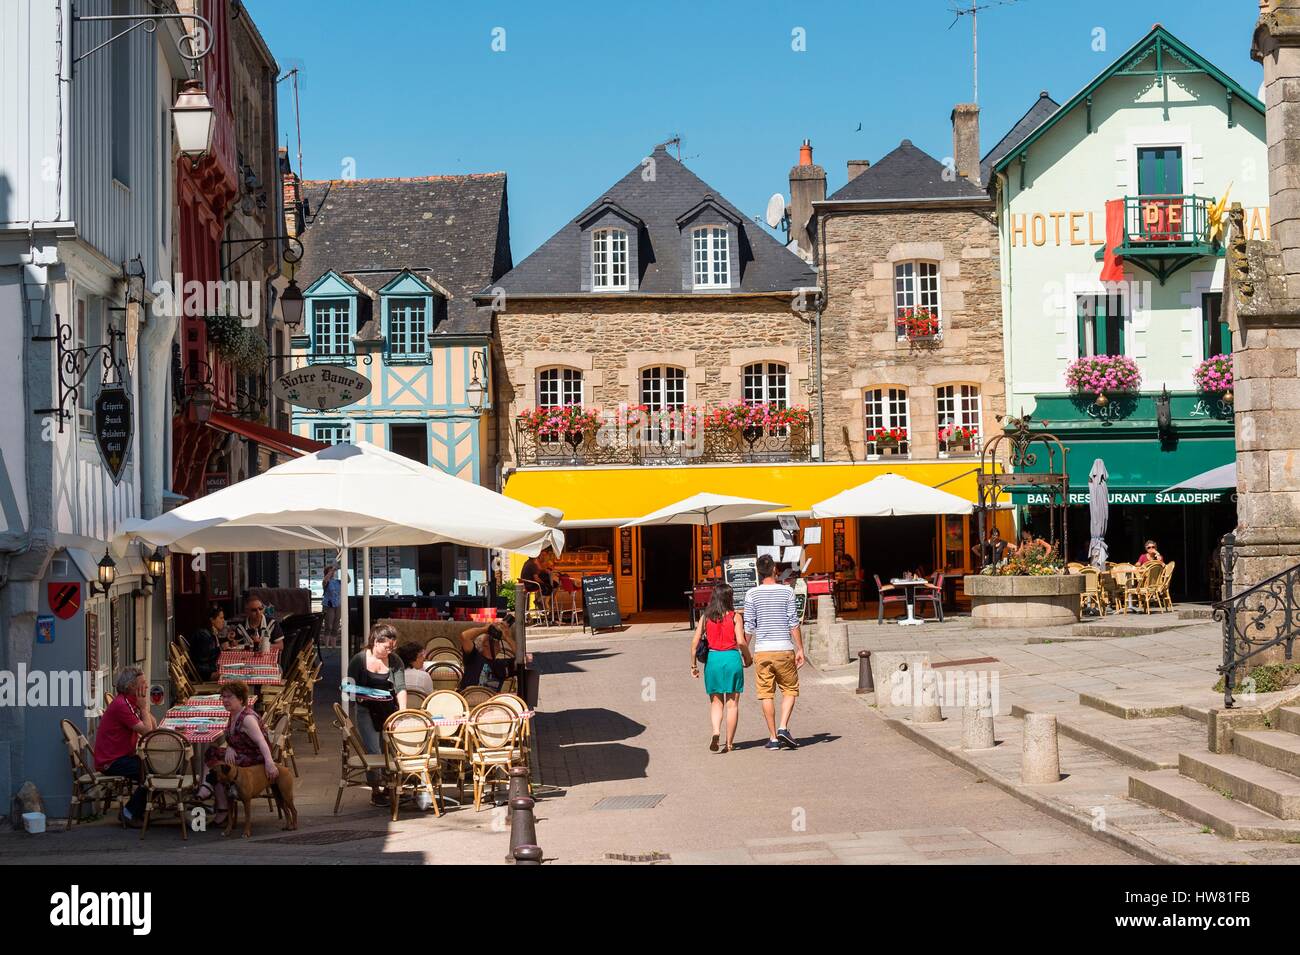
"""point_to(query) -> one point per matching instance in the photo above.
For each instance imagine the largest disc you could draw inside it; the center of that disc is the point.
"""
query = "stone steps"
(1114, 735)
(1136, 710)
(1288, 719)
(1277, 749)
(1267, 789)
(1175, 793)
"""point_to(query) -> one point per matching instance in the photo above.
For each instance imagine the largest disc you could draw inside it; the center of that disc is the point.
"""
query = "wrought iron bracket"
(198, 40)
(292, 253)
(75, 363)
(1259, 618)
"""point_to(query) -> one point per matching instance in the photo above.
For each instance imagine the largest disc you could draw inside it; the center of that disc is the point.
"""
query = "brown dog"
(251, 782)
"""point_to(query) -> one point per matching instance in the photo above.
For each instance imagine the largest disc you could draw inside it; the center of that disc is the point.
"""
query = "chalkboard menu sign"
(625, 551)
(742, 574)
(600, 602)
(113, 428)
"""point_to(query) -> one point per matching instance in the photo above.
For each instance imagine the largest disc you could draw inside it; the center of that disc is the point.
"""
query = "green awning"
(1140, 470)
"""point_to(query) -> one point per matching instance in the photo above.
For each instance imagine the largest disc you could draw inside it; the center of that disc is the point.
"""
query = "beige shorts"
(773, 668)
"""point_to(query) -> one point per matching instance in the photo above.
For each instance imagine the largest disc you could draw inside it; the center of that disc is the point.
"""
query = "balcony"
(1163, 233)
(645, 445)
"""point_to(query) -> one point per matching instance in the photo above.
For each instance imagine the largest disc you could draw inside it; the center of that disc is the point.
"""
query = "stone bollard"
(977, 722)
(523, 832)
(865, 683)
(518, 786)
(825, 611)
(835, 645)
(925, 705)
(1041, 758)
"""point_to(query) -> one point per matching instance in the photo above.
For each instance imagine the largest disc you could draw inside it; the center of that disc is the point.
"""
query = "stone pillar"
(977, 722)
(1040, 760)
(835, 645)
(1262, 304)
(925, 705)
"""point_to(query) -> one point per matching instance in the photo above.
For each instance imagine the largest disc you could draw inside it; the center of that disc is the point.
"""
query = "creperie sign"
(1077, 227)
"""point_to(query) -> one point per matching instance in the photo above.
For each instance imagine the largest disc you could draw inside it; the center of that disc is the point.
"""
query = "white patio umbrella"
(891, 495)
(1215, 479)
(706, 509)
(1098, 512)
(349, 496)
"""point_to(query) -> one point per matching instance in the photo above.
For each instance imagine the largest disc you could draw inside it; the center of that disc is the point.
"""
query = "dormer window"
(408, 327)
(710, 255)
(609, 264)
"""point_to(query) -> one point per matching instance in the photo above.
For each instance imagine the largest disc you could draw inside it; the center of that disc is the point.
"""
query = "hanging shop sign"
(113, 429)
(321, 387)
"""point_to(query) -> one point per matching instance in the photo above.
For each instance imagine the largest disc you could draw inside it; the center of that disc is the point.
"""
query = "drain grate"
(630, 802)
(639, 857)
(323, 837)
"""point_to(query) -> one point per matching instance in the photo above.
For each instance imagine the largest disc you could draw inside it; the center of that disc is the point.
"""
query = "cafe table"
(270, 658)
(254, 674)
(910, 585)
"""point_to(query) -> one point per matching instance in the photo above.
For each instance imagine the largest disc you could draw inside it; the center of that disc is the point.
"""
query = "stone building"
(911, 333)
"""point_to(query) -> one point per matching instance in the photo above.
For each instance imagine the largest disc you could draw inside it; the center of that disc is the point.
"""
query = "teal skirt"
(724, 672)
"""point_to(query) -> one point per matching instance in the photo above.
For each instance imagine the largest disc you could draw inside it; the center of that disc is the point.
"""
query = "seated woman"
(537, 578)
(1150, 554)
(247, 744)
(418, 682)
(120, 728)
(205, 643)
(378, 667)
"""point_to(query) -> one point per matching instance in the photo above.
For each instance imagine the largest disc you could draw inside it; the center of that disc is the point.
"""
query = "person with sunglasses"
(257, 628)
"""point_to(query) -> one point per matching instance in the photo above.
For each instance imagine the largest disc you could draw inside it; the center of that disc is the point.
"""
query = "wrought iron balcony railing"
(1259, 618)
(1166, 222)
(644, 444)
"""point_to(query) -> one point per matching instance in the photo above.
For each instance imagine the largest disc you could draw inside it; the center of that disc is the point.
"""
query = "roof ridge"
(441, 178)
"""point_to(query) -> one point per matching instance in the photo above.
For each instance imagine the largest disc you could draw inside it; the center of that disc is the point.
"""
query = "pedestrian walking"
(772, 617)
(722, 631)
(329, 602)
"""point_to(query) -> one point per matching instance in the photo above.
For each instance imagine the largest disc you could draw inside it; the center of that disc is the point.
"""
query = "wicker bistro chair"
(1123, 580)
(452, 744)
(89, 786)
(886, 594)
(1094, 593)
(1147, 584)
(519, 708)
(357, 764)
(166, 759)
(476, 695)
(446, 675)
(446, 655)
(1162, 597)
(411, 754)
(302, 709)
(494, 745)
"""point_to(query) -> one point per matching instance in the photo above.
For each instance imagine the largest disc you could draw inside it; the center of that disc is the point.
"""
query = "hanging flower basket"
(250, 352)
(1214, 375)
(225, 333)
(1102, 374)
(917, 324)
(741, 416)
(561, 423)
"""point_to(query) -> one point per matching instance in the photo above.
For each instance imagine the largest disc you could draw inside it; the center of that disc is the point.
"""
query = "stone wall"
(611, 339)
(859, 340)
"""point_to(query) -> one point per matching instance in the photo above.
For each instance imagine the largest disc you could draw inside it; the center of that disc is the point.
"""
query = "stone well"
(1051, 601)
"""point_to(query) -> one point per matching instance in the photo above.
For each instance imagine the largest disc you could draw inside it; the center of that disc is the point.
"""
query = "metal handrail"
(1272, 605)
(1153, 220)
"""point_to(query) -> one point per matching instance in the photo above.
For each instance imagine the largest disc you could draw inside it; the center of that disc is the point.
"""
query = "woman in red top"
(120, 728)
(724, 674)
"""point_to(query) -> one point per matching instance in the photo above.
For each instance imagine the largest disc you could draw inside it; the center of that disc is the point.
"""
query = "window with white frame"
(332, 326)
(558, 387)
(609, 260)
(916, 289)
(408, 327)
(886, 420)
(766, 383)
(710, 256)
(334, 432)
(663, 388)
(957, 409)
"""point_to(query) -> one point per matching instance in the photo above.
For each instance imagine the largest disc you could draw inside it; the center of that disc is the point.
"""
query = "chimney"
(807, 185)
(857, 167)
(292, 191)
(966, 140)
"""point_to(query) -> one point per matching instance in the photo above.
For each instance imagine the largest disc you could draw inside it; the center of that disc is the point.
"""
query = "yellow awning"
(595, 496)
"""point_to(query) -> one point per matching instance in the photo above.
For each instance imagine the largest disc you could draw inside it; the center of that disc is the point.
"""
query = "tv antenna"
(972, 10)
(675, 141)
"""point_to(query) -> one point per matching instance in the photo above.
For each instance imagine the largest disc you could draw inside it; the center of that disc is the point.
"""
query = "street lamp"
(193, 117)
(200, 406)
(476, 390)
(107, 574)
(291, 303)
(155, 563)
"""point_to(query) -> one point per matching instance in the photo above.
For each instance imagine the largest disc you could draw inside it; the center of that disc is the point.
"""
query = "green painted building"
(1124, 177)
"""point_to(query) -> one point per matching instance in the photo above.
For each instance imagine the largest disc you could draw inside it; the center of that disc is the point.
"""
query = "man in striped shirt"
(772, 621)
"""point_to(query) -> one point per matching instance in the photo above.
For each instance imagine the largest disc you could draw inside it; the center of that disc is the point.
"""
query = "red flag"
(1112, 266)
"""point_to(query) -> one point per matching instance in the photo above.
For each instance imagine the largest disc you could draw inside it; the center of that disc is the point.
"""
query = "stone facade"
(611, 339)
(860, 345)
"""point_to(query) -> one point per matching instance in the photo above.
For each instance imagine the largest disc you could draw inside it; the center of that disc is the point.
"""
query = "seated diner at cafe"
(120, 728)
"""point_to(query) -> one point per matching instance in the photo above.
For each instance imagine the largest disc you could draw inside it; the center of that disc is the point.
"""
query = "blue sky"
(583, 90)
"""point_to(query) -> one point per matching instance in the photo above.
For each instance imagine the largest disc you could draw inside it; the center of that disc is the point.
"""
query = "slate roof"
(907, 173)
(555, 268)
(454, 230)
(1038, 114)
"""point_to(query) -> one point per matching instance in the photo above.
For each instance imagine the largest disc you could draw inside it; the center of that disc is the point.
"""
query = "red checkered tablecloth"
(259, 674)
(269, 658)
(195, 731)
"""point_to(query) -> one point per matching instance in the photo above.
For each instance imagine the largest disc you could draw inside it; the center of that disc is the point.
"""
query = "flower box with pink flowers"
(1103, 374)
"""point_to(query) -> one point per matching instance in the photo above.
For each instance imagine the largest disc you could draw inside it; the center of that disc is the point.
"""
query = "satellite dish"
(776, 210)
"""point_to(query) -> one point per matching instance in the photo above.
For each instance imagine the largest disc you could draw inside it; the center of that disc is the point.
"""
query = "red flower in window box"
(917, 323)
(888, 437)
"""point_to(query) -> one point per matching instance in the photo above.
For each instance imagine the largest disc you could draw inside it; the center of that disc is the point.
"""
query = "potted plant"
(1102, 374)
(889, 438)
(917, 324)
(957, 437)
(569, 423)
(1214, 376)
